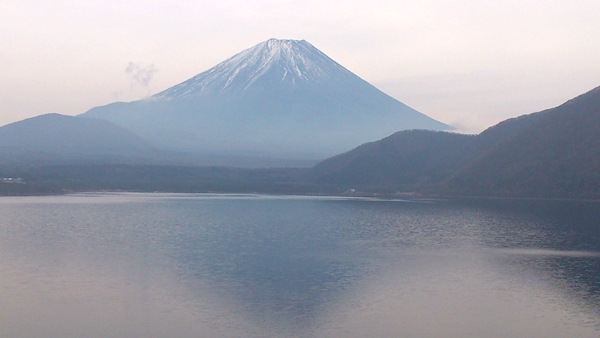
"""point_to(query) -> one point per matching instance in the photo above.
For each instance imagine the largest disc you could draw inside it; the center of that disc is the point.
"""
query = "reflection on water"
(151, 265)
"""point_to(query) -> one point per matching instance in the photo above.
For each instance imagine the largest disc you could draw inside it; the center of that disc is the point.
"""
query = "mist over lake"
(202, 265)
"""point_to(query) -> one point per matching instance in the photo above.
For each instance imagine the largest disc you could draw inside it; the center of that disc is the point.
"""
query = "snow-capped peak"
(287, 63)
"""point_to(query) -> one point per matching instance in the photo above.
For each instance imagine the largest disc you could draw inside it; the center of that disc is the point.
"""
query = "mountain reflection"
(563, 238)
(293, 260)
(275, 259)
(256, 266)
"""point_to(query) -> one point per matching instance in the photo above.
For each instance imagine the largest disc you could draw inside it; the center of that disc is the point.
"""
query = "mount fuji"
(278, 99)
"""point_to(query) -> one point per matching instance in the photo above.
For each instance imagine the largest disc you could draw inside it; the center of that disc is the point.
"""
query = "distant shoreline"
(357, 195)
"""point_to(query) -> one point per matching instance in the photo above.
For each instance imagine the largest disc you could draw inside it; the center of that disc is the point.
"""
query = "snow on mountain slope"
(286, 63)
(278, 99)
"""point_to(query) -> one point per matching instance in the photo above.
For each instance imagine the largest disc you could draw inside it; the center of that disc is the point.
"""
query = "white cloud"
(140, 74)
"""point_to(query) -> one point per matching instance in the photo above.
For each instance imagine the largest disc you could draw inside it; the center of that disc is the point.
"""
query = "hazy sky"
(469, 63)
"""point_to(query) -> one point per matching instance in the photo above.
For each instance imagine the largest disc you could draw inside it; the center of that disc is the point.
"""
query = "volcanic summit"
(278, 99)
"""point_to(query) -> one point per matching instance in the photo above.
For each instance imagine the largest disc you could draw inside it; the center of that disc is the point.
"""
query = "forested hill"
(58, 139)
(550, 154)
(405, 161)
(557, 155)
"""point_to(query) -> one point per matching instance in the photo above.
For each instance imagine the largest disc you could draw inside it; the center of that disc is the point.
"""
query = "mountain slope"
(557, 155)
(54, 138)
(280, 98)
(553, 153)
(405, 161)
(281, 64)
(414, 159)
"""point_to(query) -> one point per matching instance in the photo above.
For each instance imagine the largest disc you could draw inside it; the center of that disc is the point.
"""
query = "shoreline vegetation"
(72, 179)
(553, 154)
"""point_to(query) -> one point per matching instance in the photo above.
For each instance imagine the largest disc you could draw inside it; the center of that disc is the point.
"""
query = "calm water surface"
(158, 265)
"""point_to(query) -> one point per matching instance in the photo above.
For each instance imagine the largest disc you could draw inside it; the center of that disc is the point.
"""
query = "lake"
(201, 265)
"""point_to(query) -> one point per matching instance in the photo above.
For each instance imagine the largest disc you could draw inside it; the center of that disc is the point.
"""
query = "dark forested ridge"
(56, 139)
(415, 160)
(407, 161)
(56, 179)
(551, 154)
(556, 155)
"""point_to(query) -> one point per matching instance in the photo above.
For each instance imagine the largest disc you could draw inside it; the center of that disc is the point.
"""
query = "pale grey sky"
(469, 63)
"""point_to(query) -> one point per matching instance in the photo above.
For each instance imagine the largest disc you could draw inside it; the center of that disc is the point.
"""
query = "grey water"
(167, 265)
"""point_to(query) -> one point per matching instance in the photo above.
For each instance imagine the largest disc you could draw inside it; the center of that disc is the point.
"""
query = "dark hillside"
(54, 179)
(55, 138)
(495, 135)
(59, 133)
(414, 160)
(551, 154)
(557, 155)
(404, 161)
